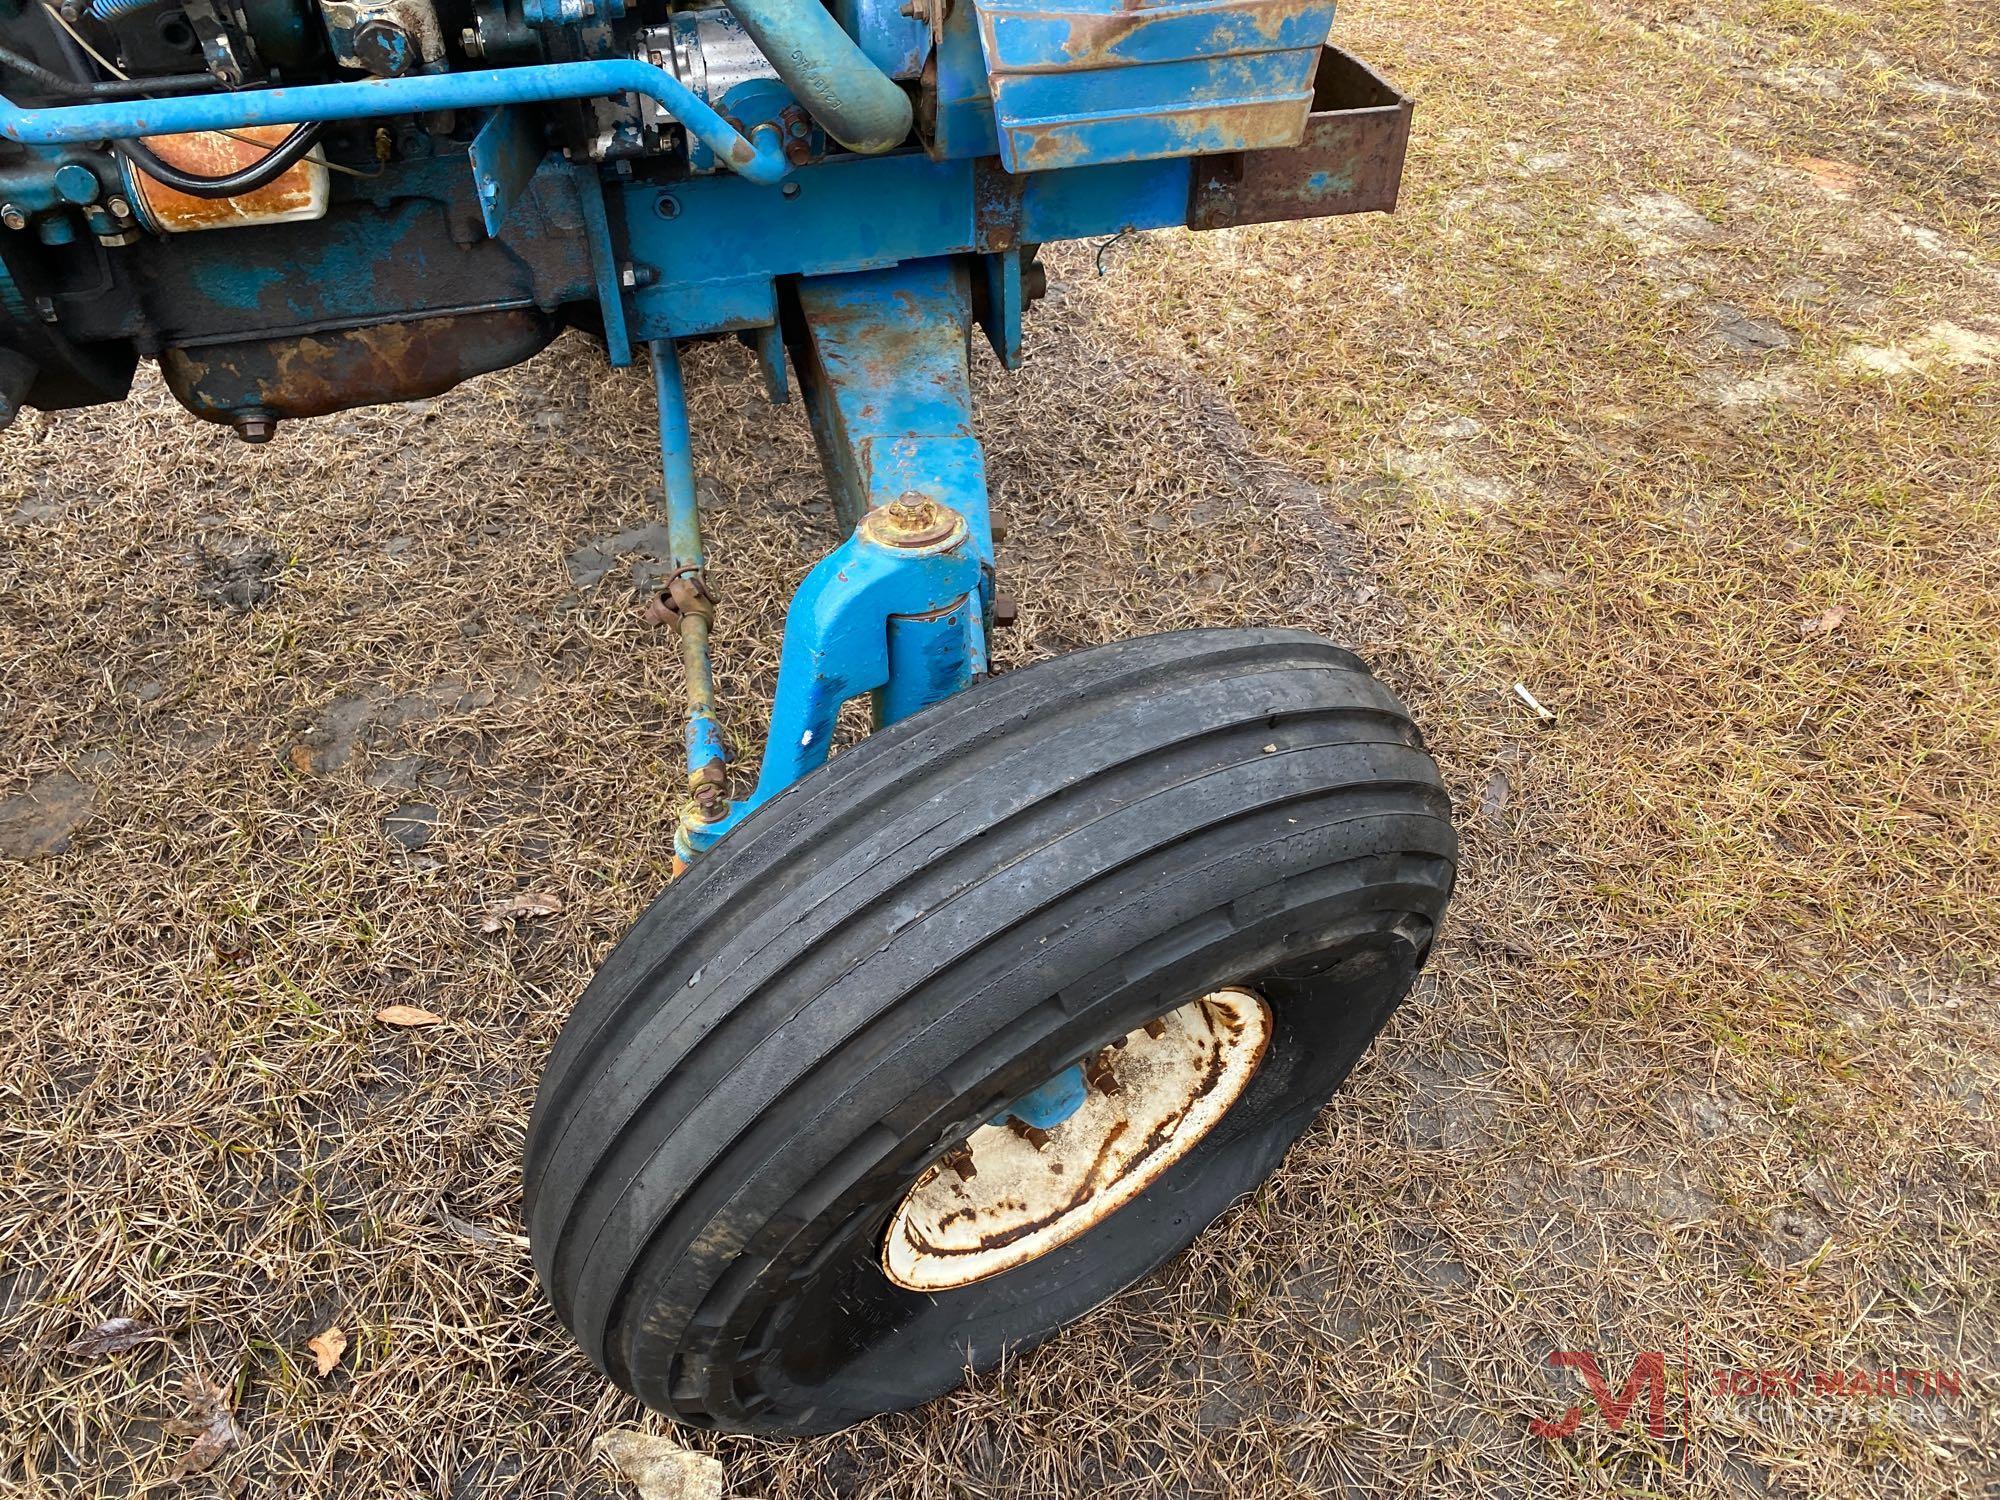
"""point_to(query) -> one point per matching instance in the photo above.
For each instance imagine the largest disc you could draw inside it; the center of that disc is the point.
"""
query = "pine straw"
(1707, 1064)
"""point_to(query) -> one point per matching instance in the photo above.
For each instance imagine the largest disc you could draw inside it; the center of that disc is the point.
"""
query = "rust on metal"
(1030, 1191)
(913, 523)
(300, 192)
(1350, 161)
(309, 375)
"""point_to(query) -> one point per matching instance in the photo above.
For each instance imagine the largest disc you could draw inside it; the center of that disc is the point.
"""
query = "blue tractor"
(932, 1046)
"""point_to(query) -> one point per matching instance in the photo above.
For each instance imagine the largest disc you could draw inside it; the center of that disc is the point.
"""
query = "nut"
(914, 520)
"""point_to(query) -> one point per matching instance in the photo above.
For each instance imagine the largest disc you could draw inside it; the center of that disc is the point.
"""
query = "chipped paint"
(298, 194)
(1153, 1098)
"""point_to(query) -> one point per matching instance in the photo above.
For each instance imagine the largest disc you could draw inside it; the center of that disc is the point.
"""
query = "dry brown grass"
(1676, 348)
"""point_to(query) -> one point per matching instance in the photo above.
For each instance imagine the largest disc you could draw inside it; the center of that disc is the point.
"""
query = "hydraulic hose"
(260, 173)
(109, 88)
(861, 106)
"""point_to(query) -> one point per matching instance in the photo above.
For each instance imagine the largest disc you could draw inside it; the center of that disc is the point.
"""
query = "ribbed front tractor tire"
(883, 958)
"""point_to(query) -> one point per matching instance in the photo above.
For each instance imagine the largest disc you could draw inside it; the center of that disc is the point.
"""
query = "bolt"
(913, 512)
(76, 183)
(667, 206)
(120, 209)
(254, 426)
(1033, 1135)
(384, 48)
(959, 1159)
(1156, 1029)
(1097, 1072)
(706, 795)
(12, 217)
(798, 153)
(469, 43)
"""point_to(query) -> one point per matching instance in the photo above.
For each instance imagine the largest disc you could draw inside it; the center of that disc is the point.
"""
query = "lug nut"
(1034, 1135)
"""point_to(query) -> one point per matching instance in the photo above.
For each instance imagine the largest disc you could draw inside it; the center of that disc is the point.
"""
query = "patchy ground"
(1673, 394)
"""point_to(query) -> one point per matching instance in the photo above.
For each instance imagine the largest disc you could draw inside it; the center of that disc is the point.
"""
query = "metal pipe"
(367, 99)
(861, 106)
(677, 457)
(707, 755)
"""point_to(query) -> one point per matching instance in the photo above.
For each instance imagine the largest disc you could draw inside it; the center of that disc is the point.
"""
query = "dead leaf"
(327, 1348)
(660, 1468)
(113, 1336)
(1824, 624)
(407, 1015)
(302, 759)
(214, 1421)
(526, 904)
(1840, 178)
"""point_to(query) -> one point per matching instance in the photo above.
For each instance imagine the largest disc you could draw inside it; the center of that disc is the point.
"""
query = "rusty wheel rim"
(1004, 1198)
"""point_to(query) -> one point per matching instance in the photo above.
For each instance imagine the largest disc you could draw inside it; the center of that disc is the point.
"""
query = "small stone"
(412, 825)
(41, 820)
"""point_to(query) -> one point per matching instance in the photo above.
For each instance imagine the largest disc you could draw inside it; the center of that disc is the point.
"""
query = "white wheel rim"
(1024, 1198)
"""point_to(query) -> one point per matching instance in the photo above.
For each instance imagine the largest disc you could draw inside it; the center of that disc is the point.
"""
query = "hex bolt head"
(254, 426)
(384, 48)
(12, 217)
(119, 208)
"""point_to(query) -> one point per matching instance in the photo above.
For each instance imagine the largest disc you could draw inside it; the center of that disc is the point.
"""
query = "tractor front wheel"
(781, 1176)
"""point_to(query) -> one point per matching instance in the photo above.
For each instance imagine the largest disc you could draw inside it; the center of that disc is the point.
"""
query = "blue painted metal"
(881, 359)
(837, 635)
(505, 154)
(707, 754)
(1052, 1103)
(570, 12)
(726, 242)
(374, 98)
(883, 368)
(895, 40)
(859, 105)
(1084, 82)
(1005, 304)
(677, 459)
(604, 265)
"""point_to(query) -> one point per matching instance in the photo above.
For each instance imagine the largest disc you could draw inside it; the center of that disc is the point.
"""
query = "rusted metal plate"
(1011, 1193)
(1350, 161)
(312, 375)
(296, 194)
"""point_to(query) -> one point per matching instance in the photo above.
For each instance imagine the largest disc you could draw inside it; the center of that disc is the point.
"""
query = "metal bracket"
(505, 154)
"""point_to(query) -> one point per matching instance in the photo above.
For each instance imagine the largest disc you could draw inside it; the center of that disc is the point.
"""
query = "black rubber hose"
(109, 88)
(248, 179)
(260, 173)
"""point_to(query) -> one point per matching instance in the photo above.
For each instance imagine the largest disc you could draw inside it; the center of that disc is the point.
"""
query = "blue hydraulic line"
(840, 85)
(368, 99)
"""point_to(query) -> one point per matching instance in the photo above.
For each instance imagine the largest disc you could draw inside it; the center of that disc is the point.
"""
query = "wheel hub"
(1008, 1196)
